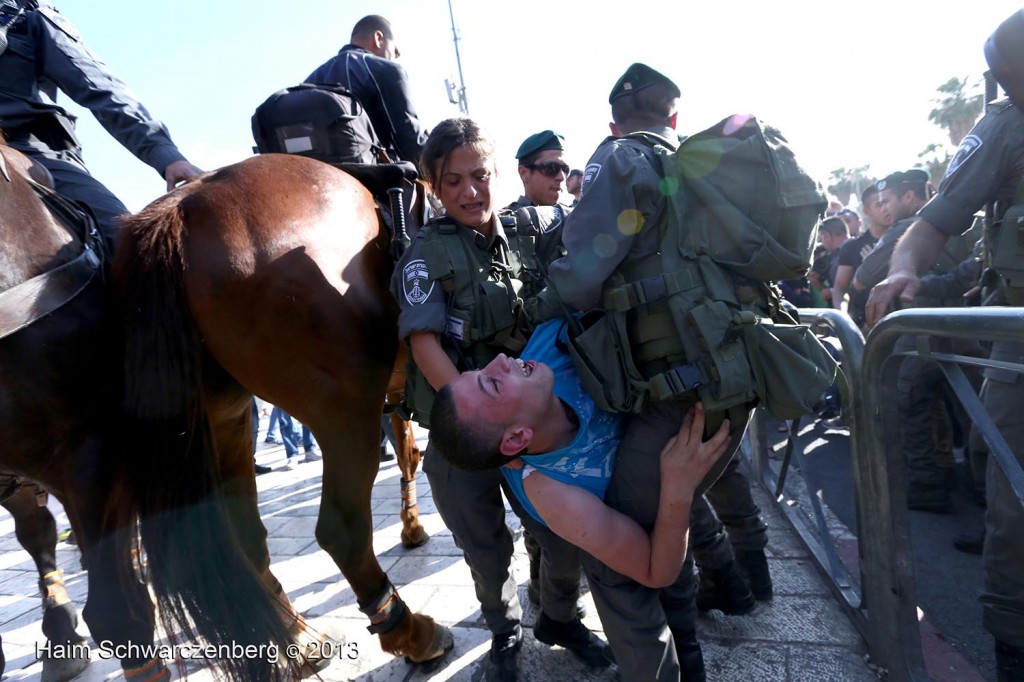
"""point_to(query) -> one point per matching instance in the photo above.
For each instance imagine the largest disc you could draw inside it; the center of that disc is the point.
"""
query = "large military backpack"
(323, 122)
(702, 318)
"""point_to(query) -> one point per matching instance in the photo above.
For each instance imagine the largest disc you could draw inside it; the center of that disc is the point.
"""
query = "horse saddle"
(35, 298)
(401, 200)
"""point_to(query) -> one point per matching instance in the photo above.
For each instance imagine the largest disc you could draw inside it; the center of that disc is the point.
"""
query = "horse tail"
(203, 582)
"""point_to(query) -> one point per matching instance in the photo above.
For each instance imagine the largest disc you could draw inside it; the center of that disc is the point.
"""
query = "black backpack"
(323, 122)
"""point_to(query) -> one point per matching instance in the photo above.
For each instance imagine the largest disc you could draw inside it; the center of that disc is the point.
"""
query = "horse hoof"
(63, 669)
(414, 540)
(312, 658)
(442, 643)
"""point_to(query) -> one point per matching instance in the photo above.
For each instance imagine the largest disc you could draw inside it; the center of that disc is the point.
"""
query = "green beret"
(637, 77)
(900, 178)
(539, 142)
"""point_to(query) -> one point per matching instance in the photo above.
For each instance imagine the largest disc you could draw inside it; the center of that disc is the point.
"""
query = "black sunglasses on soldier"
(549, 168)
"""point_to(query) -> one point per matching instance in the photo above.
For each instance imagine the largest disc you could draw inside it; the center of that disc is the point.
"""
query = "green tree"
(847, 182)
(936, 158)
(956, 109)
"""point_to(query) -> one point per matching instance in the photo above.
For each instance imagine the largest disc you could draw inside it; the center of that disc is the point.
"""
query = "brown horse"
(270, 277)
(61, 383)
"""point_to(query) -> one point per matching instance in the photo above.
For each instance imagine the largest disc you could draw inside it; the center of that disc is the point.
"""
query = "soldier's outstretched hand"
(179, 171)
(897, 285)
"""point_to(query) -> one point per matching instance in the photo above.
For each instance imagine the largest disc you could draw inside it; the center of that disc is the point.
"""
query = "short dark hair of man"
(465, 445)
(835, 226)
(867, 193)
(648, 108)
(368, 25)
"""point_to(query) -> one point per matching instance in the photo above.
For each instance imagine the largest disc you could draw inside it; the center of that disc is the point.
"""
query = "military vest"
(1004, 250)
(484, 311)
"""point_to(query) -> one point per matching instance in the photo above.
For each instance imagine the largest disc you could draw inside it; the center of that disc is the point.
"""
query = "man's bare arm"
(654, 559)
(915, 252)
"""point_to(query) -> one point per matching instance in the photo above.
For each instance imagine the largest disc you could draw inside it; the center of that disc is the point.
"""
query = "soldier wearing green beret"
(614, 227)
(542, 169)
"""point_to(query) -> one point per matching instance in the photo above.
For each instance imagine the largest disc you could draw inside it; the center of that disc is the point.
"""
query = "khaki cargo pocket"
(792, 366)
(606, 371)
(721, 337)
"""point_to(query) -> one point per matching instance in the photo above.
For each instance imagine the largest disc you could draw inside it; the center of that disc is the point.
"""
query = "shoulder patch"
(414, 277)
(558, 214)
(968, 146)
(590, 174)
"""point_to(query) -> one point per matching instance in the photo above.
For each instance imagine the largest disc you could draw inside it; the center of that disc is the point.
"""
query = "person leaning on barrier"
(615, 225)
(987, 167)
(41, 52)
(926, 426)
(367, 68)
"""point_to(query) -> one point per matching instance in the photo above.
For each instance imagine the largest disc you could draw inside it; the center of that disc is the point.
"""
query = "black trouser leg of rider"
(73, 181)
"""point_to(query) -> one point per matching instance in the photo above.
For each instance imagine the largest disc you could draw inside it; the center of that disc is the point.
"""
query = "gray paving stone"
(813, 665)
(796, 577)
(796, 619)
(801, 636)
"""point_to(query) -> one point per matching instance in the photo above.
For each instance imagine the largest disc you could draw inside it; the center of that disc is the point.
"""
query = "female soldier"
(457, 286)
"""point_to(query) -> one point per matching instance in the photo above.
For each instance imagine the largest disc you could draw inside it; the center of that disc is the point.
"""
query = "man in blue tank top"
(533, 417)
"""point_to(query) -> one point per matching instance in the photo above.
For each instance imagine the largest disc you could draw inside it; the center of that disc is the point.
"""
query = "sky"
(849, 84)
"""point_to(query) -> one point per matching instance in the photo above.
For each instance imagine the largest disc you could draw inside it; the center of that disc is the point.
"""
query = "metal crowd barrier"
(882, 603)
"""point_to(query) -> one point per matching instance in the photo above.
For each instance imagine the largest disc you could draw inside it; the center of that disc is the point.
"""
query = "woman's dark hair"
(446, 136)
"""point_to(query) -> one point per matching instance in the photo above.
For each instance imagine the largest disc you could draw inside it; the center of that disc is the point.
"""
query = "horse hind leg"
(36, 530)
(408, 458)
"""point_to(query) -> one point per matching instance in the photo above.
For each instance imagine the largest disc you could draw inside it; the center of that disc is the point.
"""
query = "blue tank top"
(586, 462)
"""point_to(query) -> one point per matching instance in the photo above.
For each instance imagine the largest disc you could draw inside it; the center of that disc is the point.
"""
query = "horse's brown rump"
(271, 277)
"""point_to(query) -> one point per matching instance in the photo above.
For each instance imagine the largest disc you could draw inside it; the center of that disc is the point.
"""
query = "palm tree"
(936, 159)
(847, 182)
(956, 111)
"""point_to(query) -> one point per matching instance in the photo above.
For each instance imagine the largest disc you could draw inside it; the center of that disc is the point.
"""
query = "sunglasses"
(549, 169)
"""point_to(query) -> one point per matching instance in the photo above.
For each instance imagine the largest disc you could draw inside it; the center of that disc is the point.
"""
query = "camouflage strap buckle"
(650, 289)
(678, 381)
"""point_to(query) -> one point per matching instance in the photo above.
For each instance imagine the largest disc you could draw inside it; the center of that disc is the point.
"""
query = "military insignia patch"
(414, 277)
(968, 146)
(589, 173)
(558, 215)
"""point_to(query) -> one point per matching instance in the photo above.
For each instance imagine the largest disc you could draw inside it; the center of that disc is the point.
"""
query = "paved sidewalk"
(801, 635)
